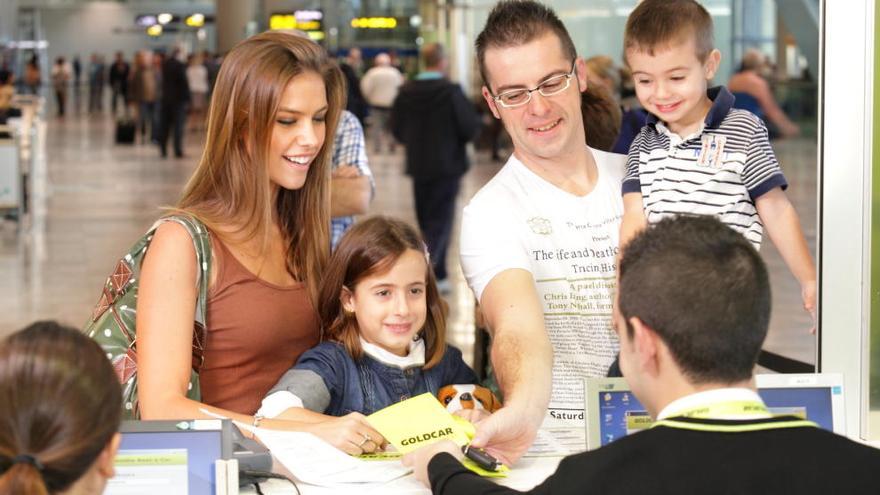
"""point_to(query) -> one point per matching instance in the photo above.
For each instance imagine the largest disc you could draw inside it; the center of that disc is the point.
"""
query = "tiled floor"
(91, 199)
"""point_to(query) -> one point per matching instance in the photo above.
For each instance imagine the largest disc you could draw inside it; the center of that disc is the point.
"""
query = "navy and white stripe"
(665, 169)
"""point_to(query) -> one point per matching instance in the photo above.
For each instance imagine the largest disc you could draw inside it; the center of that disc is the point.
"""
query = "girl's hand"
(351, 434)
(473, 415)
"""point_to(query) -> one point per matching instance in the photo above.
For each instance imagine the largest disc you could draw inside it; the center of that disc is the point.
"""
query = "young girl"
(384, 333)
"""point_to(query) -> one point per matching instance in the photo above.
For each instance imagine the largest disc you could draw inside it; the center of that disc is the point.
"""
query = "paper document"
(555, 442)
(316, 462)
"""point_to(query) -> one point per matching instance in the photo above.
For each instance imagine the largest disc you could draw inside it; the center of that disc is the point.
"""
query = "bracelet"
(258, 418)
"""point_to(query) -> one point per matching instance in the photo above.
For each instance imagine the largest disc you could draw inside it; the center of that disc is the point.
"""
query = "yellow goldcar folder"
(422, 420)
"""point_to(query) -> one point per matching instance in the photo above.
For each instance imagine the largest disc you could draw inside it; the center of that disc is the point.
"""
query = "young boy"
(697, 154)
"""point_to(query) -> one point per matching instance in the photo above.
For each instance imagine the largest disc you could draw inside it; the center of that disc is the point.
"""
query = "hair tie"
(28, 459)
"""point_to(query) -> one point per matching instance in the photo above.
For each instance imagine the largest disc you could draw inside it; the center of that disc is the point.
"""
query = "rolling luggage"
(125, 128)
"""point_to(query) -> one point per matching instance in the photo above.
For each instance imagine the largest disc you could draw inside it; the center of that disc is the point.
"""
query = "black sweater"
(434, 120)
(666, 460)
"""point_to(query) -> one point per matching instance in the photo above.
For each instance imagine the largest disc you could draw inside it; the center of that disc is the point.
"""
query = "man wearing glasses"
(539, 241)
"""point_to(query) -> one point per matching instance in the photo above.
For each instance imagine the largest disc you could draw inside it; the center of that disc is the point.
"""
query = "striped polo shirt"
(720, 170)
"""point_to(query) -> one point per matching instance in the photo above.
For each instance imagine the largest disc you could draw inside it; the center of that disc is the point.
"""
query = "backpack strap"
(201, 238)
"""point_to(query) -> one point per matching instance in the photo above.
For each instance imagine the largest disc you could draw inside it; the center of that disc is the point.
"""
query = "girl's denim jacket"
(366, 385)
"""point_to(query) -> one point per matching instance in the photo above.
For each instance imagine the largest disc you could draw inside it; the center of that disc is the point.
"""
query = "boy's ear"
(713, 61)
(491, 101)
(345, 297)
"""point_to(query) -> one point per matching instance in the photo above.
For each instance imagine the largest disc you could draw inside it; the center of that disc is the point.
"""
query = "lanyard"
(747, 409)
(730, 409)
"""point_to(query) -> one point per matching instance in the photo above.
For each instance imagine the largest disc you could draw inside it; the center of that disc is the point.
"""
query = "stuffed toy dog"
(470, 396)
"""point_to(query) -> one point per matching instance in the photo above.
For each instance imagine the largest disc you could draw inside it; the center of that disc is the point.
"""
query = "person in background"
(175, 96)
(77, 71)
(212, 65)
(197, 79)
(694, 310)
(143, 91)
(7, 92)
(60, 80)
(753, 93)
(379, 86)
(434, 120)
(32, 77)
(97, 77)
(118, 78)
(351, 180)
(351, 67)
(603, 71)
(59, 413)
(601, 114)
(6, 74)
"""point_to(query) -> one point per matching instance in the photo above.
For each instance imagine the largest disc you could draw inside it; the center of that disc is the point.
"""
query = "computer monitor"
(613, 411)
(170, 457)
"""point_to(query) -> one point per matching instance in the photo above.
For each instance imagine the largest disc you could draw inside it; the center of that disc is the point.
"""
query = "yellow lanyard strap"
(730, 409)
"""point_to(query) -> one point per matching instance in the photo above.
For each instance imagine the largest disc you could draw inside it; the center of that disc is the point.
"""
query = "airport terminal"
(416, 246)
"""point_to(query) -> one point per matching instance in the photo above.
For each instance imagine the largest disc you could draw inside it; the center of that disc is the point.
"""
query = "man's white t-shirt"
(569, 244)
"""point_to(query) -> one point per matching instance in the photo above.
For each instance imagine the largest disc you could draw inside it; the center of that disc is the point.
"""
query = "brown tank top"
(256, 332)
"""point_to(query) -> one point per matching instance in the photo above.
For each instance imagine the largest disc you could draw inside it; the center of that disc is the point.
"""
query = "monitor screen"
(813, 403)
(169, 461)
(613, 411)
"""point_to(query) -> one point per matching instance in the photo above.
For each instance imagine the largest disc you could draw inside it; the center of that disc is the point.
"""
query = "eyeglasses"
(550, 87)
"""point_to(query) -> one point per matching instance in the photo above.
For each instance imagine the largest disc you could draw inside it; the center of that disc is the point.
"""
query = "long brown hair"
(373, 246)
(232, 180)
(59, 404)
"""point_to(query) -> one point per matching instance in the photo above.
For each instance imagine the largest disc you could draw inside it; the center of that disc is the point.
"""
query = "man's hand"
(418, 459)
(508, 433)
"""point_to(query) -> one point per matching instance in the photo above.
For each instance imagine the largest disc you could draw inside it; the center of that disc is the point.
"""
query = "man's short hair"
(517, 22)
(433, 54)
(659, 23)
(704, 289)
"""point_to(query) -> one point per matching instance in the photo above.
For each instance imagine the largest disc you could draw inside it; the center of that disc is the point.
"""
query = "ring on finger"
(365, 440)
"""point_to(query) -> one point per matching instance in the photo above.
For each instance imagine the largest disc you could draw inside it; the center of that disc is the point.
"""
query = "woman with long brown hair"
(59, 413)
(261, 188)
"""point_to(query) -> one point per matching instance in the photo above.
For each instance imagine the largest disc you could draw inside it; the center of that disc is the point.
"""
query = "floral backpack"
(112, 324)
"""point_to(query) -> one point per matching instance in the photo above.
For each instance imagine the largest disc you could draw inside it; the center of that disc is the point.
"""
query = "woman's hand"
(350, 433)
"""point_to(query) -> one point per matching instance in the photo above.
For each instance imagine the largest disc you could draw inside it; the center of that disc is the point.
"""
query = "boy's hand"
(808, 295)
(418, 459)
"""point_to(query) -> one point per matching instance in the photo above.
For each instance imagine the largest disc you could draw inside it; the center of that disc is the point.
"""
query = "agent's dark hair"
(59, 404)
(704, 289)
(601, 116)
(655, 24)
(372, 246)
(517, 22)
